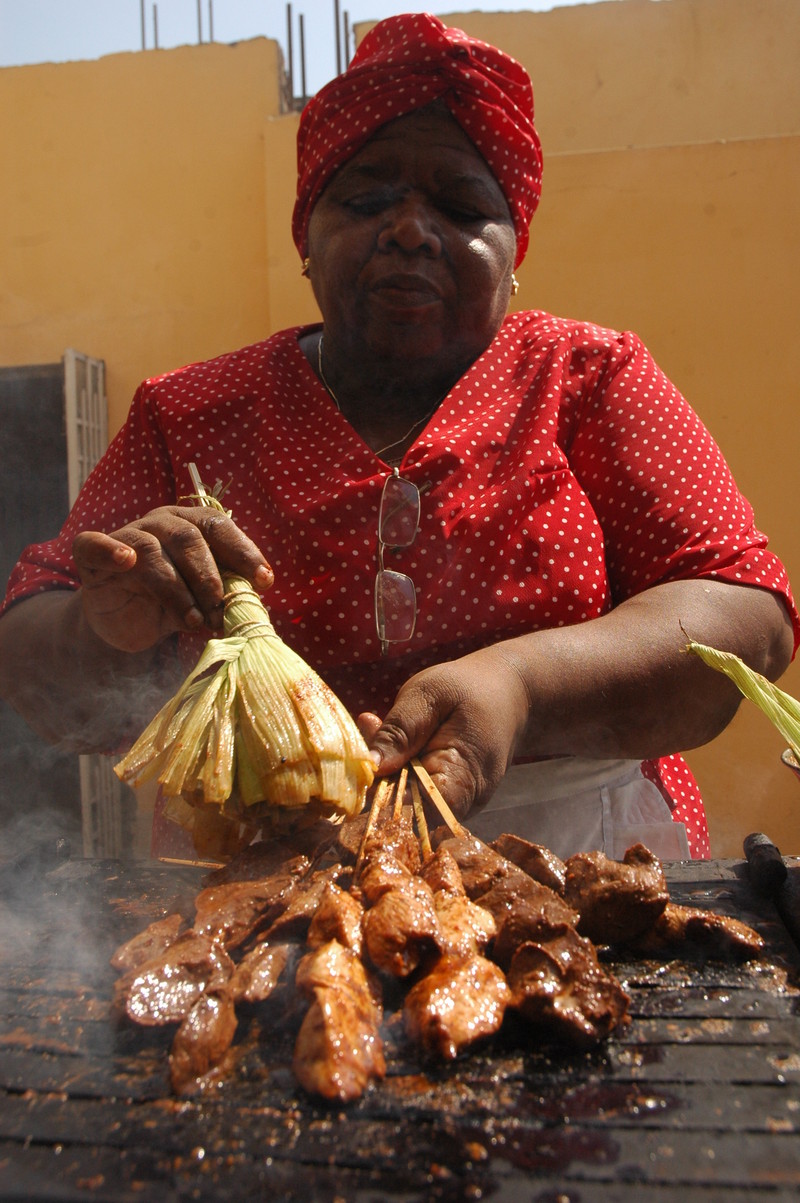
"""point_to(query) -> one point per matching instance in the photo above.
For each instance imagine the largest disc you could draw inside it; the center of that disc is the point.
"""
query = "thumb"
(392, 744)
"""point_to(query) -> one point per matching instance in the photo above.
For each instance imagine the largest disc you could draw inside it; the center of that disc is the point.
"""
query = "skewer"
(382, 791)
(437, 799)
(399, 795)
(196, 864)
(199, 487)
(422, 825)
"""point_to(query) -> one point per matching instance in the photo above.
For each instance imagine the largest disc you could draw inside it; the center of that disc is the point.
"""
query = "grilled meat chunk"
(529, 918)
(688, 929)
(481, 867)
(260, 860)
(202, 1039)
(293, 922)
(498, 884)
(338, 1048)
(401, 928)
(541, 905)
(259, 971)
(466, 928)
(338, 917)
(460, 1000)
(147, 944)
(442, 873)
(236, 910)
(616, 900)
(562, 987)
(537, 861)
(381, 871)
(164, 989)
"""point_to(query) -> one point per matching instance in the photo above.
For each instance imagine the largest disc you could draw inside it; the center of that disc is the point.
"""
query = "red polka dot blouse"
(564, 473)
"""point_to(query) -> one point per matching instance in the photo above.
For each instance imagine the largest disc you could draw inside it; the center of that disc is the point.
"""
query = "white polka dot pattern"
(565, 474)
(404, 63)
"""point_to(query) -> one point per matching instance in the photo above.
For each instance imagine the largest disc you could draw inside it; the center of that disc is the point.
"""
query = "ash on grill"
(369, 929)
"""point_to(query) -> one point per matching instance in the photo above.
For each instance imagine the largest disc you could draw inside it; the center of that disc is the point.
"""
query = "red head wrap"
(402, 64)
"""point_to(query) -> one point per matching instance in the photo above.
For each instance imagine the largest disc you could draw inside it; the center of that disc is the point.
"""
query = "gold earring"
(514, 285)
(305, 267)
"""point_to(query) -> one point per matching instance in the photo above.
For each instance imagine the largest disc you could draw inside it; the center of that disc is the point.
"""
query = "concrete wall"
(147, 223)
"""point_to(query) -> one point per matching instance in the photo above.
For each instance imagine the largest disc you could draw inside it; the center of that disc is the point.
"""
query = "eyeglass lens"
(395, 606)
(398, 518)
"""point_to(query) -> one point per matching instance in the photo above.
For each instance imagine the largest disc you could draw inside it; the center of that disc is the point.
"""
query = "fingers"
(97, 555)
(232, 550)
(368, 724)
(167, 564)
(403, 733)
(184, 551)
(424, 723)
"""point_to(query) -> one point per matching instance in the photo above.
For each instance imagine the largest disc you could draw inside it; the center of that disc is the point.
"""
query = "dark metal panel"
(37, 782)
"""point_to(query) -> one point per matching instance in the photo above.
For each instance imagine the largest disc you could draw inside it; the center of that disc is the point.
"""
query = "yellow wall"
(133, 201)
(147, 222)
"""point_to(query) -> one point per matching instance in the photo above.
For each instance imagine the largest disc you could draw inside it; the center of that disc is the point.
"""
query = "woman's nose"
(411, 226)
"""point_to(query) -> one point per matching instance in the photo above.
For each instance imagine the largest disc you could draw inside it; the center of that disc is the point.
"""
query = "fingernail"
(376, 757)
(123, 554)
(193, 617)
(263, 578)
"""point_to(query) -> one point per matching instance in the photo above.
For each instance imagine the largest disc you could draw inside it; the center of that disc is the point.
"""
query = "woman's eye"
(366, 205)
(464, 213)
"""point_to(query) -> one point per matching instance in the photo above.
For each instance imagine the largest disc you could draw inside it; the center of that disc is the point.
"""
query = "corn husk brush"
(253, 730)
(781, 708)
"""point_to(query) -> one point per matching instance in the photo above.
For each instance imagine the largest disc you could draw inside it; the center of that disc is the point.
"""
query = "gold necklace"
(423, 421)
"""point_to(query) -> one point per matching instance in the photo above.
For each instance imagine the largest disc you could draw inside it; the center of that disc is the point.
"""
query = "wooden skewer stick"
(399, 795)
(382, 791)
(199, 487)
(197, 864)
(422, 825)
(437, 799)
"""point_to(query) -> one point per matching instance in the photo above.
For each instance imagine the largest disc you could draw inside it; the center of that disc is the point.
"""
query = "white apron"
(574, 804)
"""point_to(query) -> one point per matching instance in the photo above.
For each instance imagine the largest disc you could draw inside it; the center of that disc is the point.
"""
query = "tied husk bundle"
(781, 708)
(253, 733)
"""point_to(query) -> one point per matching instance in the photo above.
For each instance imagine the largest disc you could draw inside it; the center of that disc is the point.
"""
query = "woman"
(490, 535)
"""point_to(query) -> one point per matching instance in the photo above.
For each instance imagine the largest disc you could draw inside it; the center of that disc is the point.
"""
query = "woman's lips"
(406, 292)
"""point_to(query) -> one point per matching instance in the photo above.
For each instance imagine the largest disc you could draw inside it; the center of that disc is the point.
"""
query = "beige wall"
(147, 222)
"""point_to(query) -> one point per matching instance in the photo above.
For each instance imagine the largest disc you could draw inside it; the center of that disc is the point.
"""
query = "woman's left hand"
(467, 715)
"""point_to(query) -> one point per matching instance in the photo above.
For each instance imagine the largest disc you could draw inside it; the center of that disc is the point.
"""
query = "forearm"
(624, 686)
(69, 685)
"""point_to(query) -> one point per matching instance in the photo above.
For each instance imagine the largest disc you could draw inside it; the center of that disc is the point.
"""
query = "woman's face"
(412, 247)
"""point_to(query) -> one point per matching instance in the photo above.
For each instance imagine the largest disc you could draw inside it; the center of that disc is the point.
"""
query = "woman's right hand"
(162, 574)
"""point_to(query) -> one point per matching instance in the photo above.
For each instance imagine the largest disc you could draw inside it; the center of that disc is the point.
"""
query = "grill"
(698, 1098)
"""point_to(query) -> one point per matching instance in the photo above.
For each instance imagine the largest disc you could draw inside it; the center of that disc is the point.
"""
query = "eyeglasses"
(395, 595)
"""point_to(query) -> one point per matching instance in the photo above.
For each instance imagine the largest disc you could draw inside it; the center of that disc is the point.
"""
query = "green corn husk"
(253, 730)
(781, 708)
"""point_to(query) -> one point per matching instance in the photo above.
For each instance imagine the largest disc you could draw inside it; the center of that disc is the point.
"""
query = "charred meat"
(401, 928)
(148, 944)
(233, 912)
